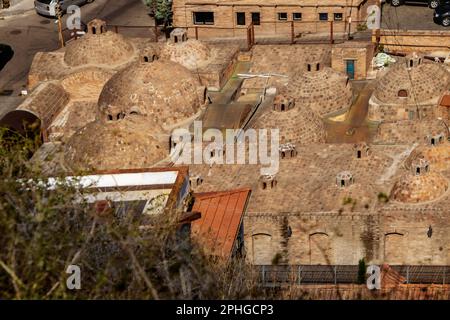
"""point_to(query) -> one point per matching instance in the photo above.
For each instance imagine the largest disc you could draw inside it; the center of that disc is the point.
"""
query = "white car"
(48, 7)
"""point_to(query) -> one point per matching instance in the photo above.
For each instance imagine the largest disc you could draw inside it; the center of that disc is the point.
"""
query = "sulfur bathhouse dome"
(418, 84)
(420, 185)
(98, 47)
(163, 90)
(325, 91)
(297, 123)
(130, 143)
(191, 53)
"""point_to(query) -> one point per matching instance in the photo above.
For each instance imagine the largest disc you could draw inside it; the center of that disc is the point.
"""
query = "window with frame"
(282, 16)
(297, 16)
(256, 18)
(240, 18)
(323, 16)
(203, 18)
(338, 17)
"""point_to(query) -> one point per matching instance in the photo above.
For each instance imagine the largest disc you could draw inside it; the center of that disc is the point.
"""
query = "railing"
(276, 275)
(277, 32)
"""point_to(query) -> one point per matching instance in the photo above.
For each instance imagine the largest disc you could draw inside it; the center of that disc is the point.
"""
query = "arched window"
(94, 30)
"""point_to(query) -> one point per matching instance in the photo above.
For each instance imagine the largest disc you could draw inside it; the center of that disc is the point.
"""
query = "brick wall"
(225, 19)
(396, 236)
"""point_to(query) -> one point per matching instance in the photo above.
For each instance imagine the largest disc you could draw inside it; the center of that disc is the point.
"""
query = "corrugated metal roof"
(221, 216)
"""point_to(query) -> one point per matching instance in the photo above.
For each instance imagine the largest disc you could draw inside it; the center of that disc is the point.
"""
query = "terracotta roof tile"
(222, 214)
(445, 102)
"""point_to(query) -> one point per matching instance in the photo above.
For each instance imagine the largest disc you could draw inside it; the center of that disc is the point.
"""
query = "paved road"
(414, 17)
(30, 33)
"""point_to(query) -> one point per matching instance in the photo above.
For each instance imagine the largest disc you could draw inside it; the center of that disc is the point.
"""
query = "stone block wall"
(393, 237)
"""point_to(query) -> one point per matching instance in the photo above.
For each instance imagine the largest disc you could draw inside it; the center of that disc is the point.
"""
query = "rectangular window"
(256, 18)
(338, 17)
(240, 18)
(297, 16)
(282, 16)
(203, 17)
(323, 16)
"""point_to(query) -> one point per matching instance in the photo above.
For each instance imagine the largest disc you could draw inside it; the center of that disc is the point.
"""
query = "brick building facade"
(231, 18)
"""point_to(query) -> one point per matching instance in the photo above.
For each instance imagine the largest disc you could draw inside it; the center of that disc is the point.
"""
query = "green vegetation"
(362, 271)
(124, 256)
(383, 197)
(161, 9)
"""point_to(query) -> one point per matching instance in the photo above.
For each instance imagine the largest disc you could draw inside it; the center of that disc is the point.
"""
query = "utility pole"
(58, 12)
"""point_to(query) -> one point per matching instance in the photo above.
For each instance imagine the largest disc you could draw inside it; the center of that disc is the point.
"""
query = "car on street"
(48, 7)
(442, 14)
(433, 4)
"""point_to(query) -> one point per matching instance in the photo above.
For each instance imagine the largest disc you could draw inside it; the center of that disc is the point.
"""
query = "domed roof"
(298, 125)
(418, 84)
(130, 143)
(164, 90)
(325, 91)
(419, 188)
(106, 48)
(191, 53)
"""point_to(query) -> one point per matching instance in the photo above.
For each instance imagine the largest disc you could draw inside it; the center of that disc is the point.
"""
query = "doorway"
(350, 67)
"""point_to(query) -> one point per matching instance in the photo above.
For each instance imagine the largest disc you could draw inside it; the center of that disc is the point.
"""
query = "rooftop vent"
(362, 150)
(282, 103)
(178, 35)
(267, 182)
(420, 167)
(96, 26)
(287, 151)
(344, 179)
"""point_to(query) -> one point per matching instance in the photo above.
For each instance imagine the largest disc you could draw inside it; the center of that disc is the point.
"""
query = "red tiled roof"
(445, 102)
(221, 217)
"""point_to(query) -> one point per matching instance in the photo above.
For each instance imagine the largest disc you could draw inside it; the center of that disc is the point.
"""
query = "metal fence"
(274, 275)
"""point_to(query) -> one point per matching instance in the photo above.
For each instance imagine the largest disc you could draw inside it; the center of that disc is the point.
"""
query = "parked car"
(442, 14)
(47, 7)
(433, 4)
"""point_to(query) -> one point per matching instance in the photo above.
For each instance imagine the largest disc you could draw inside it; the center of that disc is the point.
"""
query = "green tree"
(162, 10)
(362, 271)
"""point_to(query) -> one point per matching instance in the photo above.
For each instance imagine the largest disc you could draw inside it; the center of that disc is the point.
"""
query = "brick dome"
(107, 48)
(415, 187)
(163, 90)
(325, 91)
(418, 84)
(298, 125)
(133, 142)
(191, 53)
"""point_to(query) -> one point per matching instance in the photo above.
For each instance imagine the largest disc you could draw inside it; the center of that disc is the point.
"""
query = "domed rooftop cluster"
(98, 47)
(420, 185)
(192, 54)
(297, 123)
(134, 142)
(325, 91)
(420, 83)
(162, 90)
